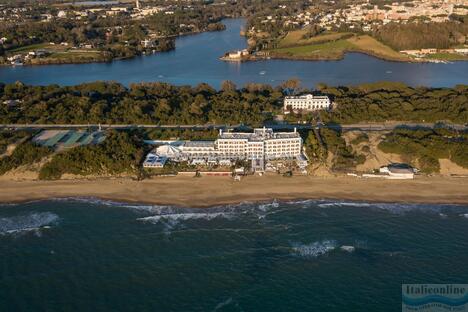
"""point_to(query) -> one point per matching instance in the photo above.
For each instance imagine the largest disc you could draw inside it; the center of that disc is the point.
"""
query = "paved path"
(364, 127)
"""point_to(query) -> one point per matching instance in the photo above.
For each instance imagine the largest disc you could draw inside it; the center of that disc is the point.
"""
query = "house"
(238, 54)
(11, 103)
(149, 43)
(61, 14)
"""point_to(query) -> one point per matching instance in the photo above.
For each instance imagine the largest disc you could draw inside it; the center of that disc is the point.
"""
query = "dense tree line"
(168, 134)
(423, 35)
(396, 101)
(10, 137)
(147, 103)
(161, 103)
(427, 146)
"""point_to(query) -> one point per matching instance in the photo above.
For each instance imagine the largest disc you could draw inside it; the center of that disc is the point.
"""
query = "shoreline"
(208, 192)
(112, 59)
(286, 57)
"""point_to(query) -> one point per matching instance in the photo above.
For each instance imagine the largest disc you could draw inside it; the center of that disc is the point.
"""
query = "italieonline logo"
(434, 297)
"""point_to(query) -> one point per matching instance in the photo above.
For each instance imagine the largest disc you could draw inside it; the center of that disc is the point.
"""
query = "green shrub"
(428, 164)
(344, 157)
(362, 137)
(428, 146)
(121, 152)
(24, 154)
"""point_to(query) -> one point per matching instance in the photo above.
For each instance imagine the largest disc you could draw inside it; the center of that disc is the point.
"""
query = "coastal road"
(362, 127)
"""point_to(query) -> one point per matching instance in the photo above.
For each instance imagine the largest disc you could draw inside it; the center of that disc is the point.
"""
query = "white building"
(262, 143)
(154, 161)
(238, 54)
(398, 171)
(306, 102)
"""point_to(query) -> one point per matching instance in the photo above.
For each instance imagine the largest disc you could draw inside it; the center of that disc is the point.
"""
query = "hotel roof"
(308, 96)
(199, 144)
(259, 134)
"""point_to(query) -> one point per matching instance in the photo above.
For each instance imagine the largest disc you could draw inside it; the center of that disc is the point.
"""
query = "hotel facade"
(306, 102)
(261, 144)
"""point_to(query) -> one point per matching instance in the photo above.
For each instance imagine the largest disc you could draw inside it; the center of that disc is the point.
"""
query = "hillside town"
(368, 15)
(365, 15)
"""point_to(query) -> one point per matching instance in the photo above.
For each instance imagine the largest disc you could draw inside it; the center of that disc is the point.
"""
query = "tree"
(228, 86)
(291, 84)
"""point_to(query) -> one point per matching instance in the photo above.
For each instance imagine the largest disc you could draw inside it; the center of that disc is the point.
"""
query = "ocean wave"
(344, 204)
(396, 208)
(184, 216)
(33, 222)
(112, 203)
(222, 304)
(267, 206)
(314, 249)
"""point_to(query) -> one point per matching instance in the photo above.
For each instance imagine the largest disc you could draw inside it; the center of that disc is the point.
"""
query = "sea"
(85, 254)
(196, 60)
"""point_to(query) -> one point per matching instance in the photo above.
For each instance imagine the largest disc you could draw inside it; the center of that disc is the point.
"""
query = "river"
(196, 60)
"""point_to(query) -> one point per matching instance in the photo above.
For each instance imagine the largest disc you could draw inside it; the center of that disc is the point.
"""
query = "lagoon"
(196, 60)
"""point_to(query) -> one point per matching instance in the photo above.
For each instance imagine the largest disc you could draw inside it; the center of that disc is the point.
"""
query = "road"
(362, 127)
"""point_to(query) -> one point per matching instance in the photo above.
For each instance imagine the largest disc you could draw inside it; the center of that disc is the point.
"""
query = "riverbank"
(66, 55)
(212, 191)
(341, 55)
(334, 46)
(196, 60)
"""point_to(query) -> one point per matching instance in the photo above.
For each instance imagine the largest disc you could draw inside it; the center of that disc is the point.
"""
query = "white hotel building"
(306, 102)
(262, 144)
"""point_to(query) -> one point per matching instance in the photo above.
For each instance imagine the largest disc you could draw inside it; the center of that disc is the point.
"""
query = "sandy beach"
(211, 191)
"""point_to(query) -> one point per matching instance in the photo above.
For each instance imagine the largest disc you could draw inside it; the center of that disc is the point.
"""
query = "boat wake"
(30, 223)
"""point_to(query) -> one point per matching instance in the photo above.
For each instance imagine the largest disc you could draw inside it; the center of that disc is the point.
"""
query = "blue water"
(195, 60)
(84, 255)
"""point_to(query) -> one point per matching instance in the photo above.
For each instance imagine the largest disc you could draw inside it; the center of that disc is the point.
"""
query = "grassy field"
(447, 57)
(332, 46)
(294, 38)
(70, 57)
(368, 43)
(328, 50)
(28, 48)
